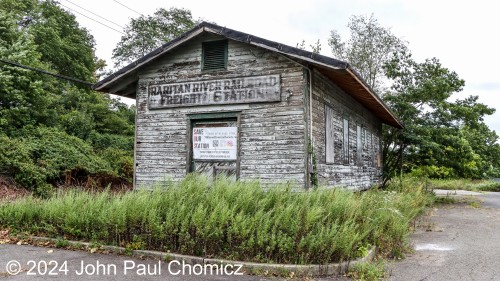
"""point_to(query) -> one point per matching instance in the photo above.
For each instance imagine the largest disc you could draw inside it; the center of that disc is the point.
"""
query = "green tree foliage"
(50, 128)
(146, 33)
(22, 90)
(443, 137)
(62, 43)
(369, 47)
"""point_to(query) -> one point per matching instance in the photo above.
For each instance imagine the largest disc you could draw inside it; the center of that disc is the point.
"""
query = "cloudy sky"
(461, 34)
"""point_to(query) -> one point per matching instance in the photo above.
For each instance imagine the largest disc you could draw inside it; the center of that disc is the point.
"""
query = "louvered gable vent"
(214, 55)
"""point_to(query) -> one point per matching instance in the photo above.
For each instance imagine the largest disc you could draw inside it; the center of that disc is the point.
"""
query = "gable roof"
(123, 82)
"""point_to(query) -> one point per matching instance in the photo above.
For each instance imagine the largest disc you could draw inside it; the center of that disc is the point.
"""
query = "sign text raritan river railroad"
(220, 91)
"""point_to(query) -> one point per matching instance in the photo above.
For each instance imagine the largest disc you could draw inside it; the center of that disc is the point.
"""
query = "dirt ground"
(9, 190)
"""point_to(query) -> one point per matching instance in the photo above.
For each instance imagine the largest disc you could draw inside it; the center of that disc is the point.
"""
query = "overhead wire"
(128, 8)
(64, 77)
(59, 76)
(95, 14)
(92, 19)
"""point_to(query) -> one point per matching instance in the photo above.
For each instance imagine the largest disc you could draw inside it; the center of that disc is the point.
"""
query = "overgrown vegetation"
(466, 184)
(235, 220)
(368, 271)
(51, 130)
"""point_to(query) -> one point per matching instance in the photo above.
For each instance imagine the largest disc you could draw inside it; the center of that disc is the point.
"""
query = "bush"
(102, 141)
(432, 172)
(121, 161)
(236, 220)
(77, 123)
(46, 155)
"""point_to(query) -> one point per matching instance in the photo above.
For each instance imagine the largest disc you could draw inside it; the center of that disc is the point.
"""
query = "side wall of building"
(355, 161)
(272, 134)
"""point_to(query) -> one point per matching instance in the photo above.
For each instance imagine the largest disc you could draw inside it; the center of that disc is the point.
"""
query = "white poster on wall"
(215, 143)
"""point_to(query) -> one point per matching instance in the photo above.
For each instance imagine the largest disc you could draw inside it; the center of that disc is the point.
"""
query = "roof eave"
(395, 121)
(103, 84)
(106, 85)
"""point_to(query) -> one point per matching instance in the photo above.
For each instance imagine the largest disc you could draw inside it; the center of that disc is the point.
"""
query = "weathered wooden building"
(216, 100)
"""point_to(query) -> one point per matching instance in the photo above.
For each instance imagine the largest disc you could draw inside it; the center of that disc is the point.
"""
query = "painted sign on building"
(219, 91)
(215, 143)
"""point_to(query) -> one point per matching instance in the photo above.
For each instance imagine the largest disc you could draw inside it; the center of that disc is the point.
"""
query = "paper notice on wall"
(217, 143)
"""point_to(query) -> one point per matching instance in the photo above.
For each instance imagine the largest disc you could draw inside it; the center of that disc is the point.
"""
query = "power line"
(95, 14)
(129, 8)
(92, 19)
(63, 77)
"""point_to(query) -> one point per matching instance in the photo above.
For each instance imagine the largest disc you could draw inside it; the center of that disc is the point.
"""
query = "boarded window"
(345, 143)
(376, 152)
(214, 55)
(366, 143)
(370, 152)
(329, 135)
(359, 146)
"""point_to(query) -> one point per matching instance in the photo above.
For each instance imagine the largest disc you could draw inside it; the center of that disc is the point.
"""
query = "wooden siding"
(272, 135)
(345, 170)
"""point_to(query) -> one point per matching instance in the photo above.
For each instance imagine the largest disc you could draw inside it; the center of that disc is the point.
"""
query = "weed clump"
(368, 271)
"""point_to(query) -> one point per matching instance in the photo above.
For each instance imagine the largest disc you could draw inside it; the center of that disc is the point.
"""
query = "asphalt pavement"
(458, 241)
(25, 262)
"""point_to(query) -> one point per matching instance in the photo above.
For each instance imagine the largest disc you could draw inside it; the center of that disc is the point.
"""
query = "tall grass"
(465, 184)
(236, 220)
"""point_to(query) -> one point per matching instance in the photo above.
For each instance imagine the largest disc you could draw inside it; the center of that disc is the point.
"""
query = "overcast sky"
(461, 34)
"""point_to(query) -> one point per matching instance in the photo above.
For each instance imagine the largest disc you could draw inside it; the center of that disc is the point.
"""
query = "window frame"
(211, 117)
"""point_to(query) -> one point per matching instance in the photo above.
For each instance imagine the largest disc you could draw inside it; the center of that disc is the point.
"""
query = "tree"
(52, 130)
(369, 47)
(22, 90)
(316, 48)
(146, 33)
(442, 138)
(63, 44)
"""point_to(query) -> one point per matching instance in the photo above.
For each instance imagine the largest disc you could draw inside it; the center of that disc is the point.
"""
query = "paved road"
(67, 265)
(463, 243)
(491, 200)
(95, 266)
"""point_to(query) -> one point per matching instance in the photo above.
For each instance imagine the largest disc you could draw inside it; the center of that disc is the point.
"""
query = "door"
(214, 147)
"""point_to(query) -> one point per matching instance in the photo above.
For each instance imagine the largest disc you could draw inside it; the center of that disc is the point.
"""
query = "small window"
(214, 55)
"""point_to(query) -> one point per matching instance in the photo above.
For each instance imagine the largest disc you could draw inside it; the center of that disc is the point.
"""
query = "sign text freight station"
(221, 91)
